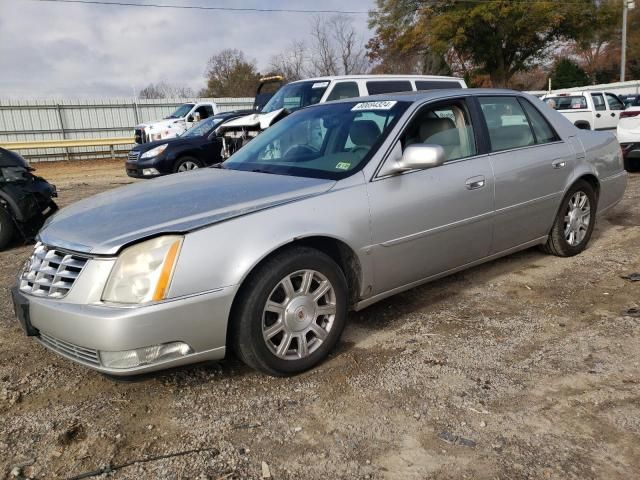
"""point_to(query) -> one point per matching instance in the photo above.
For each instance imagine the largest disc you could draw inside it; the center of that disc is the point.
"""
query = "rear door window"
(436, 84)
(542, 130)
(598, 101)
(388, 86)
(507, 123)
(344, 90)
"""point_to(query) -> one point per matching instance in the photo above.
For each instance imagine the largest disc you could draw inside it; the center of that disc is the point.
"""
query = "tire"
(258, 331)
(571, 219)
(7, 228)
(185, 164)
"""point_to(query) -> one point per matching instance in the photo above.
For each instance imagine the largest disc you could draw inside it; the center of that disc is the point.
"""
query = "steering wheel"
(298, 150)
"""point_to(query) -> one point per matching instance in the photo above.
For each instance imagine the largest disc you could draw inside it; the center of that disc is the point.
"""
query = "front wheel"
(290, 313)
(7, 228)
(574, 222)
(186, 164)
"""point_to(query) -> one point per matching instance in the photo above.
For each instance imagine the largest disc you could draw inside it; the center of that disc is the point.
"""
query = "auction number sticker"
(319, 84)
(383, 105)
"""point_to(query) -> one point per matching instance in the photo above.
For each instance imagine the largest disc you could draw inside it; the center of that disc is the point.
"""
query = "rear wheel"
(290, 313)
(574, 223)
(185, 164)
(7, 228)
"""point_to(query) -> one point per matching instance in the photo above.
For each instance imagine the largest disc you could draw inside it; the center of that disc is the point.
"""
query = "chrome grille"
(133, 155)
(69, 349)
(50, 273)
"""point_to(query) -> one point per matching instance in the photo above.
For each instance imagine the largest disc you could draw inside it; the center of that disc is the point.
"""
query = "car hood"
(176, 203)
(261, 120)
(145, 147)
(160, 124)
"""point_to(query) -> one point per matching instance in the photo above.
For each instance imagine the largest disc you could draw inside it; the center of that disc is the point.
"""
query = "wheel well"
(338, 251)
(593, 181)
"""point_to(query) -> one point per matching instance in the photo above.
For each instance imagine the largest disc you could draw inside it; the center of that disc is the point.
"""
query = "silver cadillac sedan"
(333, 208)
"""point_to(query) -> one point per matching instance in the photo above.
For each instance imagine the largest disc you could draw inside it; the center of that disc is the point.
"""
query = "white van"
(303, 93)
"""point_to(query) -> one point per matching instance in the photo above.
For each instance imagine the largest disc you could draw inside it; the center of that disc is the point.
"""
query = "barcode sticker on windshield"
(383, 105)
(319, 84)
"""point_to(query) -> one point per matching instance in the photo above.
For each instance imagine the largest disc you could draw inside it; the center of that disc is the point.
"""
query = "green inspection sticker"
(343, 165)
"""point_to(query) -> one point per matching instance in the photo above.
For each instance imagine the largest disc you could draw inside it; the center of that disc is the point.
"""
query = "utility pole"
(626, 5)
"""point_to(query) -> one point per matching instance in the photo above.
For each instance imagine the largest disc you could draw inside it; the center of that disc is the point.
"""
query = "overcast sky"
(74, 50)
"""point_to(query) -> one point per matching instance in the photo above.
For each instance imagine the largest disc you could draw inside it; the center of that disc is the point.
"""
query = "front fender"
(224, 254)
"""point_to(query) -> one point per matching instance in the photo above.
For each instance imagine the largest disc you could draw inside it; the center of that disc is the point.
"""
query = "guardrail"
(71, 143)
(68, 143)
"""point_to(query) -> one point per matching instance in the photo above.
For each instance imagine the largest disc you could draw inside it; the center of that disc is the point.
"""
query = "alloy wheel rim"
(188, 165)
(577, 218)
(299, 314)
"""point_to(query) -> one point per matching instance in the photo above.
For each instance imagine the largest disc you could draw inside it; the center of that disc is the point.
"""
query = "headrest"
(364, 132)
(431, 126)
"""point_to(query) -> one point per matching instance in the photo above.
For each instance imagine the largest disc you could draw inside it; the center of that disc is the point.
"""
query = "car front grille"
(133, 156)
(50, 272)
(82, 354)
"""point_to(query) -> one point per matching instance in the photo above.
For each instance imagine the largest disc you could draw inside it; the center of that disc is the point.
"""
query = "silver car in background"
(335, 207)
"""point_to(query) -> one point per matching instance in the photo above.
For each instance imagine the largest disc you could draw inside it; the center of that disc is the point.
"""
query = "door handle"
(559, 164)
(613, 114)
(598, 115)
(474, 183)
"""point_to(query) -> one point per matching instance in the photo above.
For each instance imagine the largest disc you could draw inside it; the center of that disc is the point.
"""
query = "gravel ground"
(526, 367)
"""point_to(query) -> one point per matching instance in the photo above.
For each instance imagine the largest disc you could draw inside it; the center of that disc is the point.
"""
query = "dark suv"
(196, 148)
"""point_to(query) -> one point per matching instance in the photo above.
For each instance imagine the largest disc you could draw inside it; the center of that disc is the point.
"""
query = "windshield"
(328, 141)
(296, 95)
(181, 111)
(203, 127)
(577, 102)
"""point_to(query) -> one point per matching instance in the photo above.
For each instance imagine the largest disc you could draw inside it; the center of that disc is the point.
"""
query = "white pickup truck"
(184, 117)
(589, 110)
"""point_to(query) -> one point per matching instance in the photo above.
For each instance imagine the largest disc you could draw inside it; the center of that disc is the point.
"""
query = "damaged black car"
(26, 200)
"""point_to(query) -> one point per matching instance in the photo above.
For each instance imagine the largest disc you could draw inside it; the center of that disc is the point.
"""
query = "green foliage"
(567, 74)
(498, 38)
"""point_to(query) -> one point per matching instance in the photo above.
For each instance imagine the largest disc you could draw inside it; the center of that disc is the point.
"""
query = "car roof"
(426, 95)
(378, 77)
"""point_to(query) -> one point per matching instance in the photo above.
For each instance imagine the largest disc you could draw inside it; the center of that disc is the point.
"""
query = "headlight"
(143, 271)
(154, 152)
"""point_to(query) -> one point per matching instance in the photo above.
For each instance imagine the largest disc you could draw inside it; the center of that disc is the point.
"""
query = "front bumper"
(81, 332)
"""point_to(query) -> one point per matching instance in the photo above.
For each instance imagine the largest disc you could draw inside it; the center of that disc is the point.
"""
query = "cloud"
(71, 50)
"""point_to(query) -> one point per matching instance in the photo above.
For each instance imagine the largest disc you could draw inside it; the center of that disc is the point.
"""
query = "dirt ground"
(526, 367)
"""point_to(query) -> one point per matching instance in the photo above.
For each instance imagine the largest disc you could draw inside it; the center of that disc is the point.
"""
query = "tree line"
(491, 44)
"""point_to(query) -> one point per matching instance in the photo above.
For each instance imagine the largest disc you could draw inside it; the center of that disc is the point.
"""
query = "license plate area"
(22, 311)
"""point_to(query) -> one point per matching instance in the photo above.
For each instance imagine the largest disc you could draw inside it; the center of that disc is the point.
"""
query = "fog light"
(145, 355)
(147, 172)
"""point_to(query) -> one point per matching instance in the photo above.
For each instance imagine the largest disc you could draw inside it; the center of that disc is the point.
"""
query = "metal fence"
(32, 120)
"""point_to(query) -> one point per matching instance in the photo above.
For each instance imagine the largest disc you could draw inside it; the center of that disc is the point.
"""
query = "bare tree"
(291, 64)
(323, 54)
(165, 90)
(336, 48)
(350, 48)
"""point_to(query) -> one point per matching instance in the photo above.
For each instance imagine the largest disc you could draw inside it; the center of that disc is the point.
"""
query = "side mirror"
(190, 118)
(415, 157)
